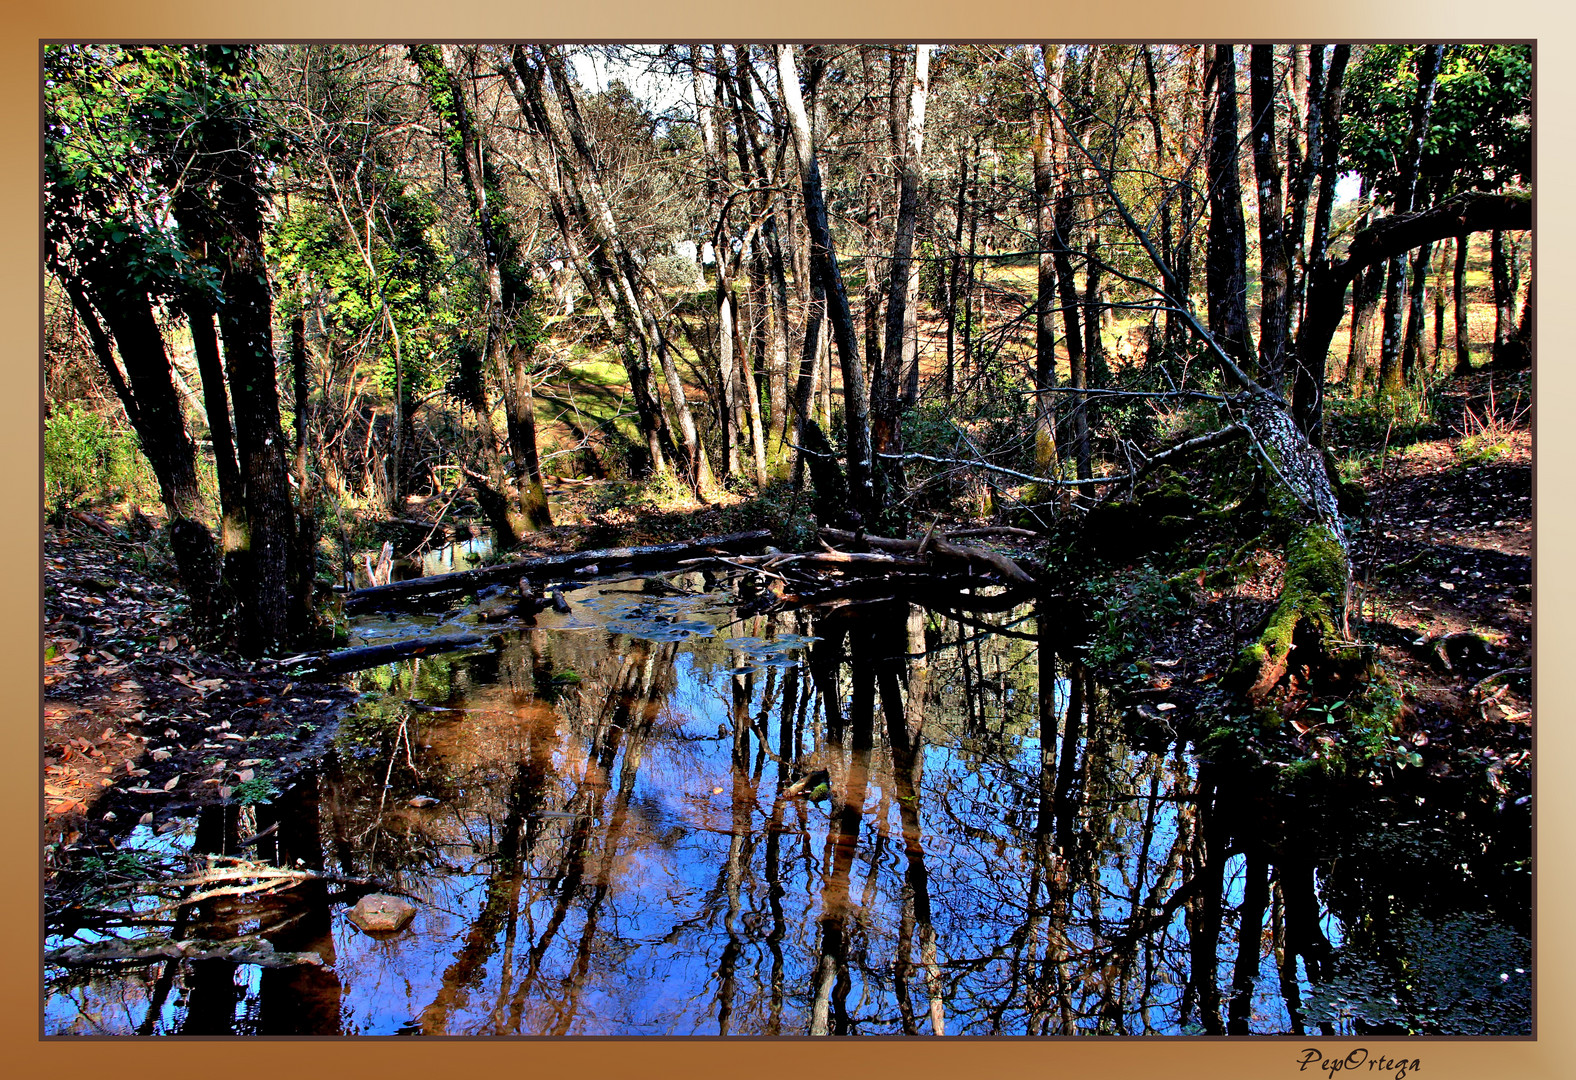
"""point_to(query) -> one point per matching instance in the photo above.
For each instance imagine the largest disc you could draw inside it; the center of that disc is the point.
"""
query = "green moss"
(1314, 588)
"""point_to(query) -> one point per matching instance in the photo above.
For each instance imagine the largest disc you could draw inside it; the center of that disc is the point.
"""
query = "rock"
(379, 913)
(421, 802)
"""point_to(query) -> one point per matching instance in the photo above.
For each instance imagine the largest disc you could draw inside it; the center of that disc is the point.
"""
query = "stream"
(593, 819)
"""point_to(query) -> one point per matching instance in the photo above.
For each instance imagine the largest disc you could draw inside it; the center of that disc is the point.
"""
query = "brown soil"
(140, 724)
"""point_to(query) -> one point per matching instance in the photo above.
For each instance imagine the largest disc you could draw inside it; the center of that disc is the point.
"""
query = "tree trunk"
(1367, 290)
(1045, 284)
(1458, 295)
(155, 414)
(302, 612)
(216, 403)
(954, 270)
(809, 380)
(1390, 373)
(1226, 257)
(1504, 298)
(1308, 383)
(1274, 258)
(902, 286)
(774, 301)
(1067, 287)
(824, 258)
(1412, 346)
(266, 559)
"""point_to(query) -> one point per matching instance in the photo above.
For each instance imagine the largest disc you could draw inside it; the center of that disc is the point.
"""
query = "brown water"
(1002, 850)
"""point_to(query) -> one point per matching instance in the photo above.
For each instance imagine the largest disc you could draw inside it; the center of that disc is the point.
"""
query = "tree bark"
(1274, 258)
(1504, 297)
(1390, 360)
(148, 392)
(1045, 283)
(1226, 257)
(902, 285)
(1325, 125)
(823, 256)
(266, 559)
(1412, 345)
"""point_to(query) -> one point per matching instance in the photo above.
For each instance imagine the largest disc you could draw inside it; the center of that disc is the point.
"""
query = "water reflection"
(615, 850)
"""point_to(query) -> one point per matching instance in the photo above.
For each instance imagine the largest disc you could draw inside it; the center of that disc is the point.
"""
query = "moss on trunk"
(1309, 613)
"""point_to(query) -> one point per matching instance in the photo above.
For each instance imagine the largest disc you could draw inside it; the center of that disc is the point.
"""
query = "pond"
(611, 823)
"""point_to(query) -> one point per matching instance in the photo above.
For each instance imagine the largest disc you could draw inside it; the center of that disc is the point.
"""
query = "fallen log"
(365, 656)
(546, 566)
(249, 950)
(982, 558)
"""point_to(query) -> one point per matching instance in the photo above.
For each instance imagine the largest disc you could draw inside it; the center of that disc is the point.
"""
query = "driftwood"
(248, 950)
(547, 566)
(365, 656)
(933, 543)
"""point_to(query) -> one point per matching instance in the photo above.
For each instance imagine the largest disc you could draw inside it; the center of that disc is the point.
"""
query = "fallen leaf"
(174, 782)
(146, 819)
(244, 775)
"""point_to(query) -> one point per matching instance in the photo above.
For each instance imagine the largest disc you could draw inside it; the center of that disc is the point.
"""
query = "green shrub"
(87, 455)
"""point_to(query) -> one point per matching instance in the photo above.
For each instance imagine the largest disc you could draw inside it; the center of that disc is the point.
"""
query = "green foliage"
(1407, 417)
(261, 788)
(86, 455)
(412, 272)
(1479, 134)
(1486, 432)
(1124, 609)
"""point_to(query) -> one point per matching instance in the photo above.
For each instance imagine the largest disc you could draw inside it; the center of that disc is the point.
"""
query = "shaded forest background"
(296, 294)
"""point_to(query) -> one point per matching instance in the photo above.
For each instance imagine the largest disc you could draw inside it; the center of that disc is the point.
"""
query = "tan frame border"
(25, 24)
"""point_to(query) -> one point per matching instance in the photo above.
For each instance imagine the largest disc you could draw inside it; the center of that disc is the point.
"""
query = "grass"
(1486, 434)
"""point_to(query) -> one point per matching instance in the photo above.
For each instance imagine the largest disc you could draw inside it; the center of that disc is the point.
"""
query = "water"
(1003, 851)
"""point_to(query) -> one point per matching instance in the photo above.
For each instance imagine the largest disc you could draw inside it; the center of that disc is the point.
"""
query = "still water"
(1002, 848)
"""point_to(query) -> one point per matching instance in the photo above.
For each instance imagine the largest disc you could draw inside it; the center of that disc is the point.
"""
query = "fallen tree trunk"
(248, 950)
(622, 558)
(365, 656)
(980, 558)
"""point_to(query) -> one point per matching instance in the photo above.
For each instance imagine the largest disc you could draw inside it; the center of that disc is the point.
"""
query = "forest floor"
(1442, 567)
(141, 724)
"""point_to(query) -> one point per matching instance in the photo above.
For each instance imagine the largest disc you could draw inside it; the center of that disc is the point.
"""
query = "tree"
(823, 259)
(519, 502)
(133, 131)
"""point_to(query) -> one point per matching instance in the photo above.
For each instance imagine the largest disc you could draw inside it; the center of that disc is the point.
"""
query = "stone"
(379, 913)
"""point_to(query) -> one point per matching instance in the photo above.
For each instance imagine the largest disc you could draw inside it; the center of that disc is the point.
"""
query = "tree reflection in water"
(1004, 850)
